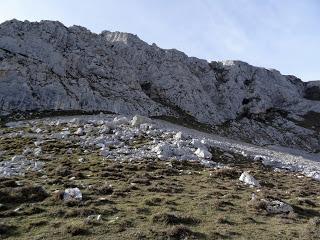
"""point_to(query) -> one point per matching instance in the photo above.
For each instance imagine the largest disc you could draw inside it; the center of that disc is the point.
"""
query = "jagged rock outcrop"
(47, 66)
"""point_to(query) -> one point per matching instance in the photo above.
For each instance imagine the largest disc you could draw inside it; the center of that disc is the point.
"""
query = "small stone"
(69, 151)
(38, 143)
(38, 130)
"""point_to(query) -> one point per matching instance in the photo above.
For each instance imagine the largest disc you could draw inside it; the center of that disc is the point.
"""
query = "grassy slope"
(151, 199)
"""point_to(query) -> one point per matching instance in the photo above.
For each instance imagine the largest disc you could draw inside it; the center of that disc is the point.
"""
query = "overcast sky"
(280, 34)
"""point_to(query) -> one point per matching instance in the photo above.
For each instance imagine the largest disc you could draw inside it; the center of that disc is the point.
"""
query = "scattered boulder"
(137, 120)
(18, 165)
(38, 130)
(79, 131)
(17, 158)
(249, 180)
(163, 150)
(258, 158)
(120, 121)
(37, 151)
(178, 136)
(203, 153)
(72, 194)
(277, 207)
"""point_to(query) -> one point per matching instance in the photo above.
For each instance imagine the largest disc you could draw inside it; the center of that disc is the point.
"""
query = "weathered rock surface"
(47, 66)
(249, 180)
(72, 194)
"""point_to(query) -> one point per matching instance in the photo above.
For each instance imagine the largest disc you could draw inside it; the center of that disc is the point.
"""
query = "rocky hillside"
(45, 66)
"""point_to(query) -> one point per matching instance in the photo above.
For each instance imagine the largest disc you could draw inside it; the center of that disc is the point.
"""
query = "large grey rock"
(47, 66)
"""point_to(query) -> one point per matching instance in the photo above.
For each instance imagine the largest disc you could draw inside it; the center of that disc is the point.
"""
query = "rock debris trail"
(119, 138)
(277, 157)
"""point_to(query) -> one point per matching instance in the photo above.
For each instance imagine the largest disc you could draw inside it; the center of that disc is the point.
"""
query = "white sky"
(280, 34)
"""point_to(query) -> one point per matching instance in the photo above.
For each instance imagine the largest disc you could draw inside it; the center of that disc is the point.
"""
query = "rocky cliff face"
(47, 66)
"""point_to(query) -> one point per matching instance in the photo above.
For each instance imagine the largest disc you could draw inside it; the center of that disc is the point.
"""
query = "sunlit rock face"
(47, 66)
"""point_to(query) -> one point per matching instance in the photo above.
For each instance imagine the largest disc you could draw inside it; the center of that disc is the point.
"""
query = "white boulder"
(18, 158)
(258, 158)
(249, 180)
(196, 143)
(72, 194)
(37, 151)
(163, 150)
(178, 136)
(27, 151)
(38, 130)
(79, 131)
(137, 120)
(120, 121)
(203, 153)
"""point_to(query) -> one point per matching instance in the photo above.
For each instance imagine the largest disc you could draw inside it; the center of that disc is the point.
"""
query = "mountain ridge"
(47, 66)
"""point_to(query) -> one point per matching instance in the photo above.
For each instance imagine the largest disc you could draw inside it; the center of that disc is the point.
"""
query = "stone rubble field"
(114, 137)
(120, 177)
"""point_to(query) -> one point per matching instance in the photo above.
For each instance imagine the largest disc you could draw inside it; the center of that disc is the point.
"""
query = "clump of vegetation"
(105, 189)
(257, 205)
(173, 219)
(182, 232)
(230, 173)
(23, 194)
(76, 229)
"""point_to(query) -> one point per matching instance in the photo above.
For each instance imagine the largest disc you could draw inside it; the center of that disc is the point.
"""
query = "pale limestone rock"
(79, 131)
(203, 153)
(178, 136)
(37, 151)
(138, 120)
(72, 194)
(249, 180)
